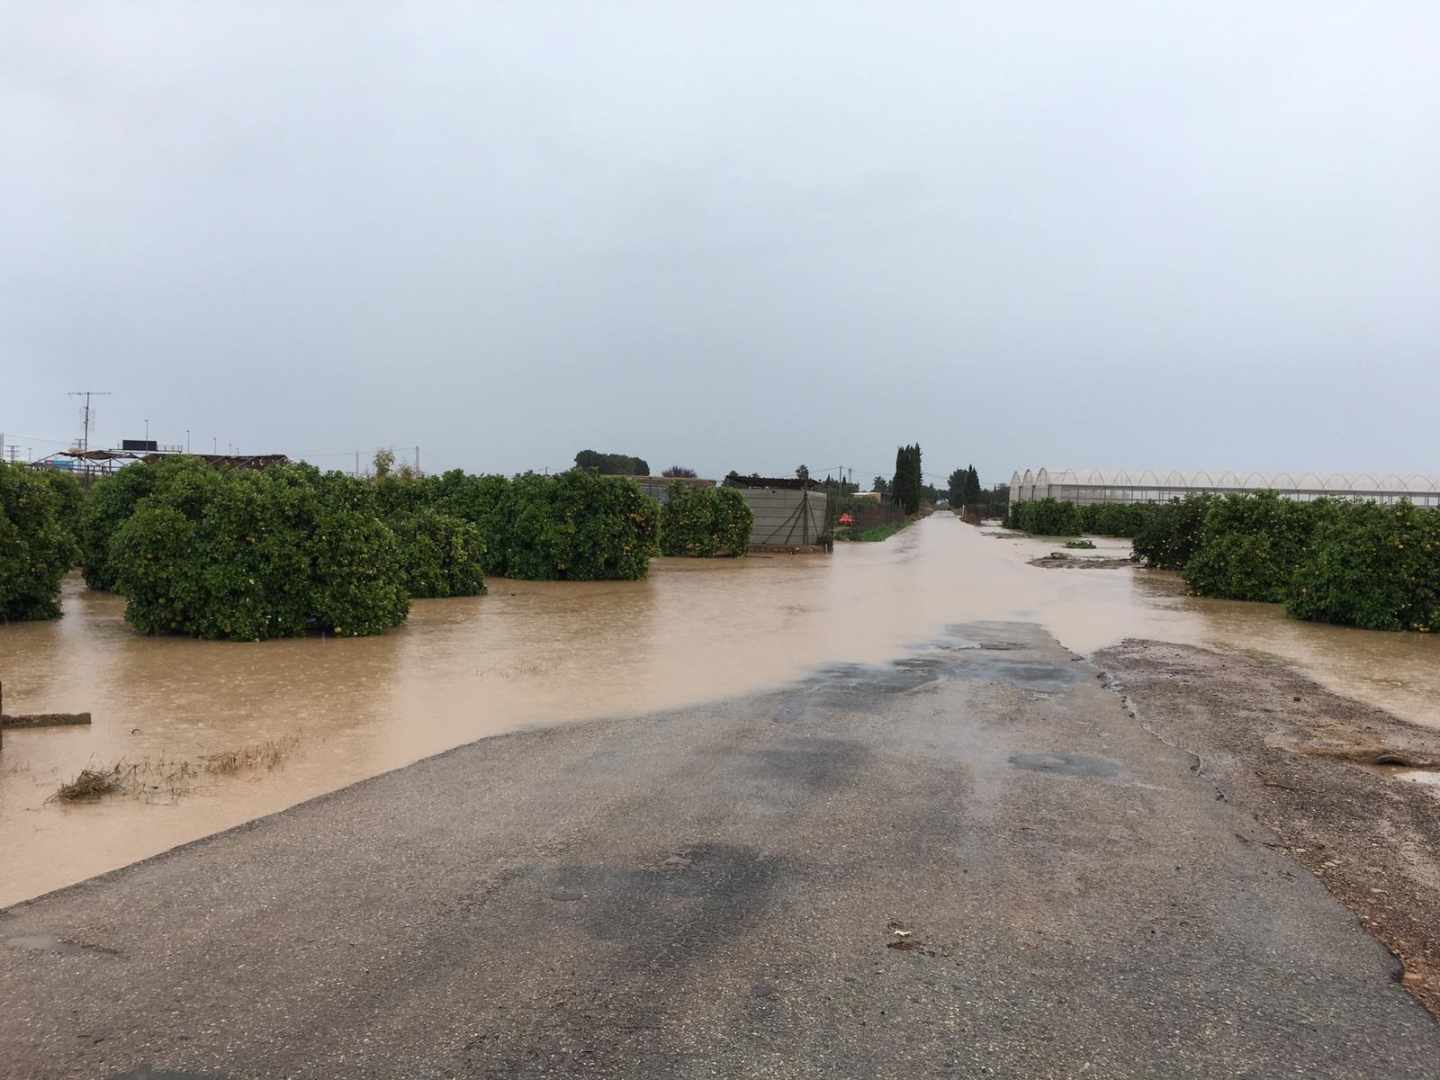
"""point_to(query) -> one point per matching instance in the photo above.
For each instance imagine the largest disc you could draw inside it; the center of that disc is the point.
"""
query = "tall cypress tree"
(907, 488)
(972, 485)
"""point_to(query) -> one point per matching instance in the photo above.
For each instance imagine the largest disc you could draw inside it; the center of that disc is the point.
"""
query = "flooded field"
(532, 654)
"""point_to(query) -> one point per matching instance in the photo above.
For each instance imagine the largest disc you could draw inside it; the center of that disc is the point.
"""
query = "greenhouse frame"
(1091, 486)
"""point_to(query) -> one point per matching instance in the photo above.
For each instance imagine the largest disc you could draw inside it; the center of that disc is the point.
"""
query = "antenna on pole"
(88, 414)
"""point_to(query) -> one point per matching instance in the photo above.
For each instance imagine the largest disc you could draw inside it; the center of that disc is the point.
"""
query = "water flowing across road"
(541, 653)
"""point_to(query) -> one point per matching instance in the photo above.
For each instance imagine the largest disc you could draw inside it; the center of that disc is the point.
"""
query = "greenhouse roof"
(1340, 483)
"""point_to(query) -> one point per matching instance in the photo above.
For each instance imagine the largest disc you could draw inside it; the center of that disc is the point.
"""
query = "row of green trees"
(1331, 560)
(574, 526)
(222, 553)
(1044, 517)
(1339, 561)
(249, 555)
(1050, 517)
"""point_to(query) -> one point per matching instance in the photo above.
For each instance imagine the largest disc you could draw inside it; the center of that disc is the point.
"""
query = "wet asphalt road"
(715, 892)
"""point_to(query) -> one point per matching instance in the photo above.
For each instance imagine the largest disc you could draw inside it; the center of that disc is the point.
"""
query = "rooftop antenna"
(87, 413)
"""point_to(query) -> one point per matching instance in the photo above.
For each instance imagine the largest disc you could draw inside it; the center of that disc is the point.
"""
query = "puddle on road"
(1063, 763)
(538, 653)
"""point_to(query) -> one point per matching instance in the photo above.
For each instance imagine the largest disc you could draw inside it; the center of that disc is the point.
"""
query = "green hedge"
(1051, 517)
(1250, 546)
(442, 554)
(70, 501)
(573, 526)
(1045, 517)
(250, 555)
(111, 502)
(704, 521)
(1349, 563)
(1171, 532)
(1372, 566)
(36, 548)
(581, 526)
(1114, 519)
(483, 501)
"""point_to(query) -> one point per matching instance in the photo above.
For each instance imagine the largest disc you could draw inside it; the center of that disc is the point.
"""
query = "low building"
(790, 514)
(658, 487)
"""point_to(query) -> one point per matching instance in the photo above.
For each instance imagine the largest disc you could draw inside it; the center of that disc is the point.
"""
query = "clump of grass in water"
(142, 778)
(262, 755)
(91, 784)
(166, 776)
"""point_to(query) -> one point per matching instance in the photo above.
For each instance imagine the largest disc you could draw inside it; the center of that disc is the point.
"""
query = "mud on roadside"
(1321, 772)
(1059, 560)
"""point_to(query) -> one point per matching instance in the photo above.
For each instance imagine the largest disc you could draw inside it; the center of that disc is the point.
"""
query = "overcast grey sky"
(729, 235)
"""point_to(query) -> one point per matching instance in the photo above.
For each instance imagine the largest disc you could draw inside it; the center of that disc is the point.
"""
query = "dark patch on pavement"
(888, 679)
(816, 763)
(1066, 764)
(688, 899)
(971, 662)
(145, 1072)
(50, 943)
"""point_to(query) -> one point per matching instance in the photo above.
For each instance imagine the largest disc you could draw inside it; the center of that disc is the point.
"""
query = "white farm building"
(1145, 485)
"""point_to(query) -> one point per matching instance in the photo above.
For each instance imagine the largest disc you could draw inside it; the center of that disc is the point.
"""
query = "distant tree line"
(964, 488)
(612, 464)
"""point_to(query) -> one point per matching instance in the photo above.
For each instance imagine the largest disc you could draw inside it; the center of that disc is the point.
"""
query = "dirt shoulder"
(1303, 762)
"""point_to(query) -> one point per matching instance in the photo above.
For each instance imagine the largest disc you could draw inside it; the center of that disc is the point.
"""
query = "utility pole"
(88, 414)
(417, 461)
(357, 464)
(187, 440)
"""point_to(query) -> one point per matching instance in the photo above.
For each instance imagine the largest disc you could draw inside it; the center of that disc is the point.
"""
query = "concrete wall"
(780, 519)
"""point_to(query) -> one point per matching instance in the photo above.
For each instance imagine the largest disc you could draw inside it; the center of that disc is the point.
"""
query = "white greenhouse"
(1145, 485)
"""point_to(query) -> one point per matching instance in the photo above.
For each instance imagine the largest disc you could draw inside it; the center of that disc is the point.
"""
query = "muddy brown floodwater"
(540, 653)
